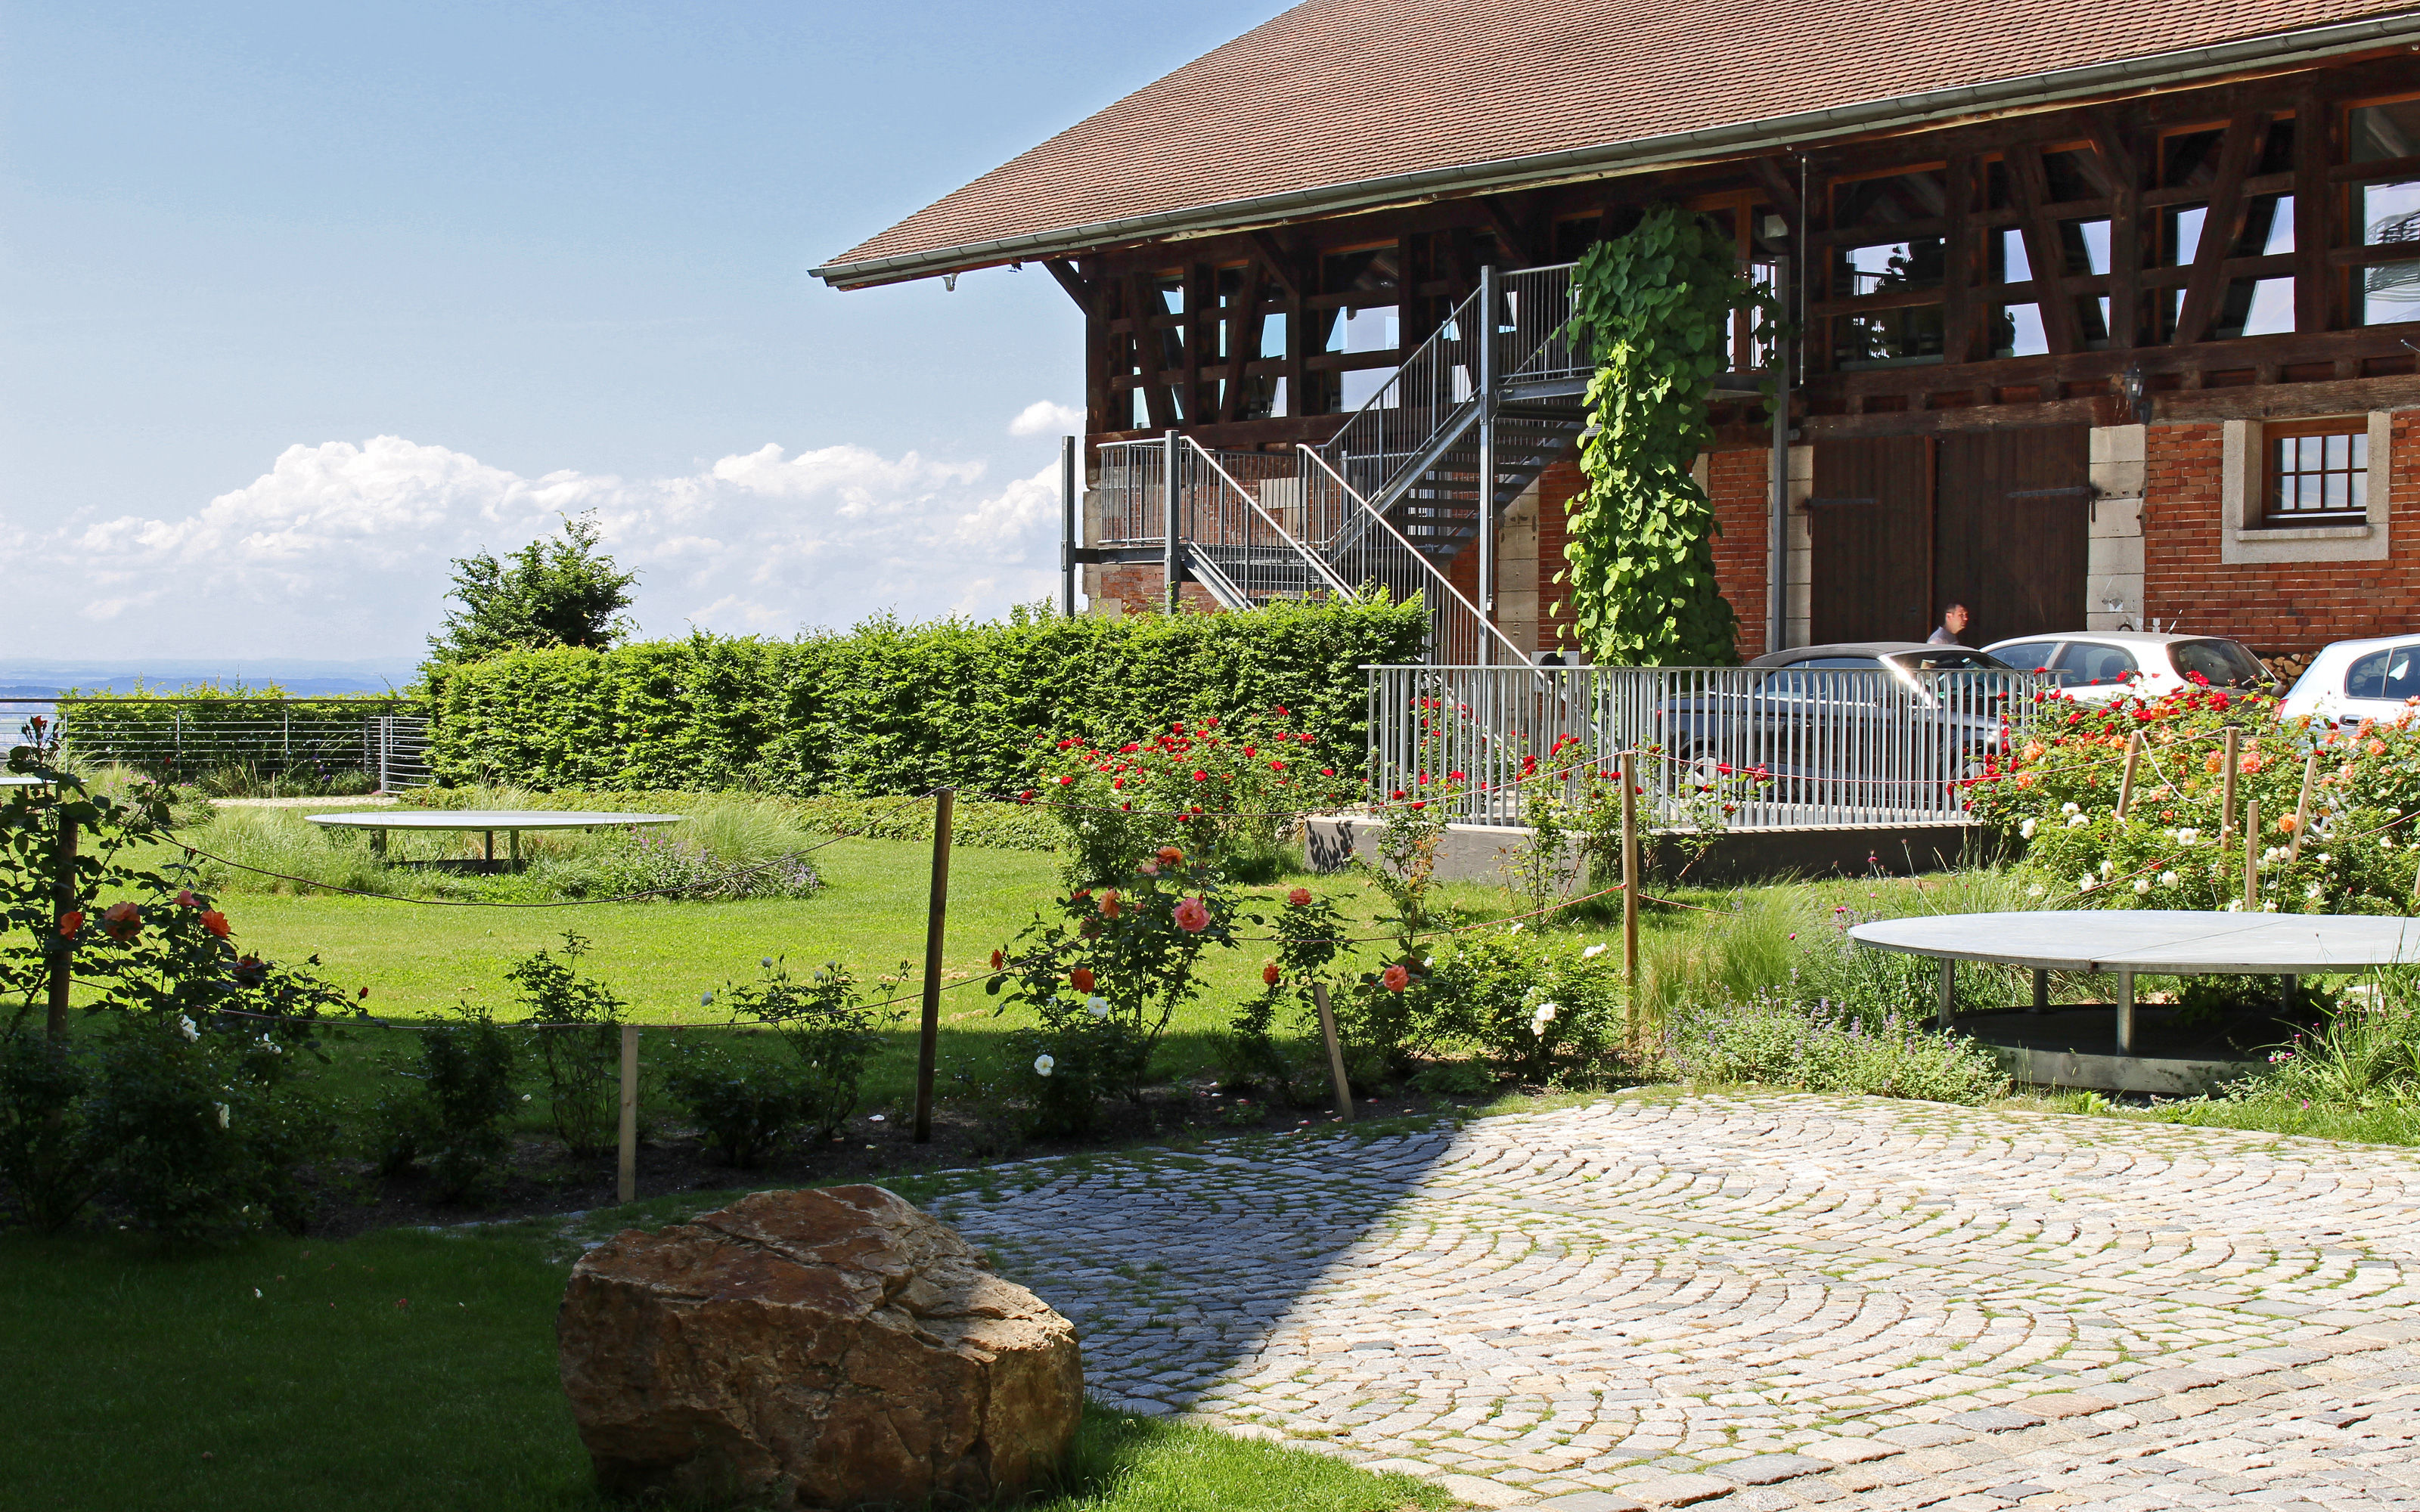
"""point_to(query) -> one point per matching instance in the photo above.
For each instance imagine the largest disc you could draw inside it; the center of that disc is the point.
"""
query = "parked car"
(1887, 725)
(2102, 666)
(2355, 680)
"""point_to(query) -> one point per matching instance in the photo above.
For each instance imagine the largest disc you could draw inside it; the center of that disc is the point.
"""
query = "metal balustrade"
(1792, 747)
(308, 743)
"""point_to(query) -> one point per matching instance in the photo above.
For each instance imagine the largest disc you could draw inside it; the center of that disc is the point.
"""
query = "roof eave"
(1740, 139)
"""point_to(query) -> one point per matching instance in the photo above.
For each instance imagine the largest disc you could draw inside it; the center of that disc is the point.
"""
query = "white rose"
(1045, 1065)
(2142, 885)
(1099, 1007)
(2027, 829)
(2167, 879)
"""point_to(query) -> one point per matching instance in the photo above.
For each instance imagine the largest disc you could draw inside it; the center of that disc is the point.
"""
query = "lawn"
(417, 1370)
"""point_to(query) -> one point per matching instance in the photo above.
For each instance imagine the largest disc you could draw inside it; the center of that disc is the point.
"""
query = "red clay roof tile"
(1338, 92)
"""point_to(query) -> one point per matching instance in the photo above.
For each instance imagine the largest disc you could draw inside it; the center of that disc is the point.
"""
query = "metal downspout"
(1776, 549)
(1487, 336)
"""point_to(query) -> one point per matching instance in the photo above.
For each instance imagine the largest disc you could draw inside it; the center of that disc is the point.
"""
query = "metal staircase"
(1405, 486)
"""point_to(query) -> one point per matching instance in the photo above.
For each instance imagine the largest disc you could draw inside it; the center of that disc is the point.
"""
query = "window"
(2319, 470)
(1947, 661)
(2392, 673)
(2386, 213)
(2223, 662)
(2030, 655)
(2095, 665)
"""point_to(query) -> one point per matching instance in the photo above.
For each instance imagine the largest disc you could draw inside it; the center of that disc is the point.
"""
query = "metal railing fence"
(1535, 330)
(1792, 747)
(1418, 402)
(252, 742)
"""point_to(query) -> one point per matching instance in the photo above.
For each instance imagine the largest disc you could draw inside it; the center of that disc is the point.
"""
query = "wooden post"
(1335, 1051)
(2252, 855)
(1629, 768)
(2302, 807)
(928, 1046)
(626, 1185)
(2226, 787)
(63, 900)
(2126, 783)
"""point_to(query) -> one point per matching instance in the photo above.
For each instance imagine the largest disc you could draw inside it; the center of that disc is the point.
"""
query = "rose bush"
(2059, 794)
(1229, 793)
(1103, 979)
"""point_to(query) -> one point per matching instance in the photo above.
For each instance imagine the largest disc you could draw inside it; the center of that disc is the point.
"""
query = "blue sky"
(303, 301)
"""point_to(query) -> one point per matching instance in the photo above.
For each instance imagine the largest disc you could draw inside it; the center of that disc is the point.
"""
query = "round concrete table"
(2162, 941)
(8, 780)
(381, 822)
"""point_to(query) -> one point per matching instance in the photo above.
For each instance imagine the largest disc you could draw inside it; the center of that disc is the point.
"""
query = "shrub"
(1105, 977)
(1229, 793)
(1544, 1008)
(578, 1025)
(829, 1027)
(674, 868)
(460, 1123)
(46, 1159)
(745, 1105)
(890, 707)
(2059, 798)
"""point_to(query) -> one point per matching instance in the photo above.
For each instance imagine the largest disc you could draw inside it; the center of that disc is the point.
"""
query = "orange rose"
(2213, 762)
(1080, 979)
(70, 923)
(215, 922)
(1396, 978)
(2289, 825)
(1269, 973)
(123, 922)
(1169, 856)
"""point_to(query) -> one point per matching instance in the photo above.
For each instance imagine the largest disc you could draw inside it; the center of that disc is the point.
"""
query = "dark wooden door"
(2010, 524)
(1873, 525)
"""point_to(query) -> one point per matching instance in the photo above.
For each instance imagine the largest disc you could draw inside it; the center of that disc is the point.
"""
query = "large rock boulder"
(819, 1348)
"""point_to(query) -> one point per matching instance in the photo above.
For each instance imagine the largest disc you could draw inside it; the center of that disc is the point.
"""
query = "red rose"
(1080, 979)
(998, 958)
(1299, 897)
(69, 924)
(1269, 973)
(123, 922)
(1396, 978)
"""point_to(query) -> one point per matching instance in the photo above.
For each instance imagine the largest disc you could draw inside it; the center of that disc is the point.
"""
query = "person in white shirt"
(1953, 624)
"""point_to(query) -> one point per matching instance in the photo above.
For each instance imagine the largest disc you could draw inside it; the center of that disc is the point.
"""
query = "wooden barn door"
(1871, 515)
(2010, 529)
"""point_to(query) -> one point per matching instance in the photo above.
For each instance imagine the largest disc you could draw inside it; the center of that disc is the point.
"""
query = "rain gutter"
(1741, 139)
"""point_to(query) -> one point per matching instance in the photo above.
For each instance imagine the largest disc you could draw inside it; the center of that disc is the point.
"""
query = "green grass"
(153, 1381)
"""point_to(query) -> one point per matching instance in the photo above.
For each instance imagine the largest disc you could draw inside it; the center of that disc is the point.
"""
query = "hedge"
(891, 707)
(975, 823)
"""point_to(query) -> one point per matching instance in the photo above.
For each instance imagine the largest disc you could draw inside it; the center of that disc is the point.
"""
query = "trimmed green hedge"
(893, 708)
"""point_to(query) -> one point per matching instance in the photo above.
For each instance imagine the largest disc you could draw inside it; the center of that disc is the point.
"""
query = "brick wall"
(2280, 609)
(1741, 486)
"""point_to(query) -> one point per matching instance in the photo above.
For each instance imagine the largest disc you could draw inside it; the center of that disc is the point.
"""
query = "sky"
(298, 303)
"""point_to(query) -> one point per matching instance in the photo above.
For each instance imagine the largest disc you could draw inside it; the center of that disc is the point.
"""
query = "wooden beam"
(1516, 241)
(1142, 302)
(2045, 248)
(2126, 242)
(1961, 272)
(2221, 224)
(1077, 288)
(1243, 339)
(2315, 214)
(1278, 261)
(1774, 178)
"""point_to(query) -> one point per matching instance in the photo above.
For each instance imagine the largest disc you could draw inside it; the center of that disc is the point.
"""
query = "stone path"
(1763, 1302)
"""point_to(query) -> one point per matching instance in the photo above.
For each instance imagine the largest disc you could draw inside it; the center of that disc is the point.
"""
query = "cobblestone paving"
(1763, 1301)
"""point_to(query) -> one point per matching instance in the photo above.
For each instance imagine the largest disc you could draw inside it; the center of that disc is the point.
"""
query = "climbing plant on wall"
(1657, 304)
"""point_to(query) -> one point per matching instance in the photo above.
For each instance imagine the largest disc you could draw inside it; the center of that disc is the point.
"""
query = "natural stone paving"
(1763, 1301)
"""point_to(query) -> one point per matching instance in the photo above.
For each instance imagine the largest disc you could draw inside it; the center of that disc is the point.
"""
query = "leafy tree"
(1658, 303)
(554, 591)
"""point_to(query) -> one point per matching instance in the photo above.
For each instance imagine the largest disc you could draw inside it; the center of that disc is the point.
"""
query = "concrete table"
(380, 823)
(11, 781)
(2161, 941)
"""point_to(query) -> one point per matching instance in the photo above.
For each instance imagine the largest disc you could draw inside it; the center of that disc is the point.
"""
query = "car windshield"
(2222, 662)
(2029, 655)
(2384, 674)
(1948, 659)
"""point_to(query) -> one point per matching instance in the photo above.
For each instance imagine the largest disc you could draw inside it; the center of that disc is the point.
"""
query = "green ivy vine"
(1657, 306)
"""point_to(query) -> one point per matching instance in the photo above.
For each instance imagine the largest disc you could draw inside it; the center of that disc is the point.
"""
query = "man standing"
(1953, 624)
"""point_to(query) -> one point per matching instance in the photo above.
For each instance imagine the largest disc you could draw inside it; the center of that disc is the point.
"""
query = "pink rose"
(1192, 917)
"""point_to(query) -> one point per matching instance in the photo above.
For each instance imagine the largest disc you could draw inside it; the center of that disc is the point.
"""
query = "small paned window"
(2318, 472)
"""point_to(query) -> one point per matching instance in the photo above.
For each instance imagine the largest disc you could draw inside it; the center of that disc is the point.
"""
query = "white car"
(2355, 680)
(2102, 666)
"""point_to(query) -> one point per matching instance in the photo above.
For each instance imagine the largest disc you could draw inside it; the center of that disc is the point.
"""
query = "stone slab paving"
(1763, 1301)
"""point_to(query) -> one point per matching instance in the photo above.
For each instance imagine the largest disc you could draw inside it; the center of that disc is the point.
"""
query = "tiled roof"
(1342, 92)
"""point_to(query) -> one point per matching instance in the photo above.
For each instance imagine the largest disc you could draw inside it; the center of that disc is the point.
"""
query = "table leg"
(2041, 991)
(378, 843)
(516, 840)
(487, 859)
(1948, 990)
(2286, 994)
(2125, 1011)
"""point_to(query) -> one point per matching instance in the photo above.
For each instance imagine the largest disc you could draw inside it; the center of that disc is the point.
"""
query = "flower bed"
(2334, 807)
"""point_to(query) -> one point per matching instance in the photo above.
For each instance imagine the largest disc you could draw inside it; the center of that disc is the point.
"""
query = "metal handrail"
(1382, 522)
(1316, 562)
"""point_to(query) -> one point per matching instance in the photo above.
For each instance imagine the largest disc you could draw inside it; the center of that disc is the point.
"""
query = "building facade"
(2106, 319)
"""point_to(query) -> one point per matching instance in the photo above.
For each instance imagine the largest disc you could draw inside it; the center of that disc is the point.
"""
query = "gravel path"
(1763, 1301)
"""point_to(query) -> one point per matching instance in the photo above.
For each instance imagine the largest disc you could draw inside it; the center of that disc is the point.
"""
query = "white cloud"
(1042, 417)
(344, 550)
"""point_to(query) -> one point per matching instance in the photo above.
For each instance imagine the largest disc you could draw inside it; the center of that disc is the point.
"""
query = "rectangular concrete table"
(2161, 941)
